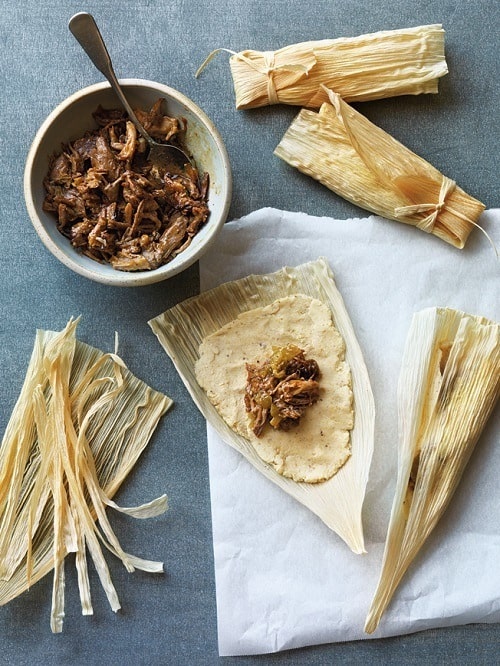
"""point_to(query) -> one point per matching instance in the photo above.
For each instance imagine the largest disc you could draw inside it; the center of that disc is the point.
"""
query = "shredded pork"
(117, 207)
(279, 390)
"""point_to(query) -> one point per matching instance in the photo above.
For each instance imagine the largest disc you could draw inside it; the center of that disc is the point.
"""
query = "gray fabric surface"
(171, 619)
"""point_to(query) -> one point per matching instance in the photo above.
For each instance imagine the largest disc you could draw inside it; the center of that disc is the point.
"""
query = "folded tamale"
(350, 155)
(381, 64)
(184, 330)
(80, 423)
(448, 386)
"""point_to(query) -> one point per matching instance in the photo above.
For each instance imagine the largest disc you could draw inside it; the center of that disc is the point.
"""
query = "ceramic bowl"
(71, 119)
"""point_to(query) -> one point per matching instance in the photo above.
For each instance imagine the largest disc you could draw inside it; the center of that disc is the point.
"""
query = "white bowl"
(71, 119)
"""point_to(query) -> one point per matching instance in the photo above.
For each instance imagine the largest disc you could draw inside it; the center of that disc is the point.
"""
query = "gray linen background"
(171, 619)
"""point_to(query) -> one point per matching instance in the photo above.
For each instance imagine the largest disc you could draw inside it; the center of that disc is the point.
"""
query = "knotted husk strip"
(180, 330)
(448, 386)
(381, 64)
(79, 425)
(357, 160)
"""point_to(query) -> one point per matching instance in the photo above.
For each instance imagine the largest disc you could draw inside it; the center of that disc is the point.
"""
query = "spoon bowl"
(71, 119)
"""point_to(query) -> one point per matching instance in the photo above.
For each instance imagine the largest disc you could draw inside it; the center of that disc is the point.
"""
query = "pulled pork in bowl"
(102, 208)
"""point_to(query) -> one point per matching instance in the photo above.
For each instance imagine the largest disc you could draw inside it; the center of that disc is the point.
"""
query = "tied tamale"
(382, 64)
(354, 158)
(448, 386)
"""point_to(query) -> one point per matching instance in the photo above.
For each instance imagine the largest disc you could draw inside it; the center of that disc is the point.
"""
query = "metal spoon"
(86, 32)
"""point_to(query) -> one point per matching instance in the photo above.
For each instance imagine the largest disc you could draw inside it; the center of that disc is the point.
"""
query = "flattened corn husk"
(363, 164)
(180, 330)
(382, 64)
(448, 386)
(79, 425)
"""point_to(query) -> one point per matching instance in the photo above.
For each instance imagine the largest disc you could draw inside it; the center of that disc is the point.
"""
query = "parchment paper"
(283, 579)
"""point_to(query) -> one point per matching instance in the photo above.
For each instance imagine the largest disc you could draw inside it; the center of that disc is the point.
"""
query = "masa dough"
(318, 447)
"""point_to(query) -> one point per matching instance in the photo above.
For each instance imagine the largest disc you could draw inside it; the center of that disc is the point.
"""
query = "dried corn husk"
(382, 64)
(180, 330)
(79, 425)
(359, 161)
(448, 386)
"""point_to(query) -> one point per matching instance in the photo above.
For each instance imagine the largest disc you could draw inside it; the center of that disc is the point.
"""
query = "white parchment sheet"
(285, 580)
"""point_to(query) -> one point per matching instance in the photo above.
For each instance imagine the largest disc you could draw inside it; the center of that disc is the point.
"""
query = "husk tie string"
(267, 68)
(427, 223)
(434, 209)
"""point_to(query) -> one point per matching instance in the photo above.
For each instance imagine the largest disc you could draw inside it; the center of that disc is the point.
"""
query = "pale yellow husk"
(448, 386)
(381, 64)
(79, 425)
(180, 330)
(350, 155)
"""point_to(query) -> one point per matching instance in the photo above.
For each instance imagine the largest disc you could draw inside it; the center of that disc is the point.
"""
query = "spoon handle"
(85, 30)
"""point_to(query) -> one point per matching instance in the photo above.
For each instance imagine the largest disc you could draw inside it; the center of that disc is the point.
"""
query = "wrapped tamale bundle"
(215, 338)
(448, 386)
(350, 155)
(80, 423)
(381, 64)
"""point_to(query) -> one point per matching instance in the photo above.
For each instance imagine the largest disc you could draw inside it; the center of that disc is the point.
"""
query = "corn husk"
(180, 330)
(363, 164)
(381, 64)
(448, 386)
(79, 425)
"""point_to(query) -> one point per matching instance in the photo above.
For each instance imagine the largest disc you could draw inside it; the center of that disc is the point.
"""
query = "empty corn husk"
(359, 161)
(382, 64)
(448, 386)
(182, 329)
(79, 425)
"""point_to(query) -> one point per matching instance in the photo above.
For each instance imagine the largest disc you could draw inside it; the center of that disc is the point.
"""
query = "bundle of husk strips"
(80, 423)
(343, 150)
(448, 386)
(382, 64)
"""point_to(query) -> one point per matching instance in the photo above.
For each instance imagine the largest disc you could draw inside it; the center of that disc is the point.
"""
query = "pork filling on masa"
(117, 207)
(279, 390)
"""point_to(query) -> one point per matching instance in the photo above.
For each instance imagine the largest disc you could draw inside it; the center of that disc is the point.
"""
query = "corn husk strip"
(381, 64)
(180, 330)
(356, 159)
(448, 386)
(88, 419)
